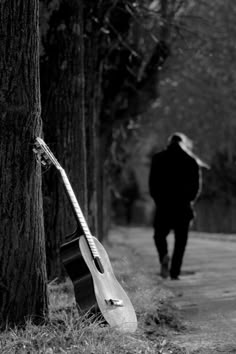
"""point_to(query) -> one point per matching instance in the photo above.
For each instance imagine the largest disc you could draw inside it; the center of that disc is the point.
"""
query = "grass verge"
(67, 332)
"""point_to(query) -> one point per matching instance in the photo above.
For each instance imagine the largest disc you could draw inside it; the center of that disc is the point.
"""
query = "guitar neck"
(78, 212)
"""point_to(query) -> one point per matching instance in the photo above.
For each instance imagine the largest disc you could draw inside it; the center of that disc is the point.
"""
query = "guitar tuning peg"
(43, 162)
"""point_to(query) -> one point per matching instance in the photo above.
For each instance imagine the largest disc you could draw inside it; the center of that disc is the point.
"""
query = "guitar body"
(111, 298)
(80, 275)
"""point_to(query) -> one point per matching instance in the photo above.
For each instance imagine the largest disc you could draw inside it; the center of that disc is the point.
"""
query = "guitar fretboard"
(79, 213)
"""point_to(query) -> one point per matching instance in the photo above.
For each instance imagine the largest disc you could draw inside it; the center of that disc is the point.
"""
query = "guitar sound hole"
(98, 265)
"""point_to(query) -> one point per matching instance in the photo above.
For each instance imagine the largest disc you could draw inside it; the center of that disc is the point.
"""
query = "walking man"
(174, 184)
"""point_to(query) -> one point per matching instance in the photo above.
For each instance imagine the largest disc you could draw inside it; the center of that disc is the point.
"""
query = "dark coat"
(174, 180)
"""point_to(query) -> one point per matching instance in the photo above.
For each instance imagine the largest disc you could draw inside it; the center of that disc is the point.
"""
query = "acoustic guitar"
(88, 264)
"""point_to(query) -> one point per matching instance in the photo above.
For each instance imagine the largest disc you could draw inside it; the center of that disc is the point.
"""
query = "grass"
(67, 332)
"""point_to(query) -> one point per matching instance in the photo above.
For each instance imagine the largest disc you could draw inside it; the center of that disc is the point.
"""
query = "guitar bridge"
(114, 302)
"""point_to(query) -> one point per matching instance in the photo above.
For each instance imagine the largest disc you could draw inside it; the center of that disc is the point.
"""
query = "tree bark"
(23, 290)
(62, 86)
(92, 98)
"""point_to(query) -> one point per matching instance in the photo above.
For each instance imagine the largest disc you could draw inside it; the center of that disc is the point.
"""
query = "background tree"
(63, 90)
(22, 246)
(141, 39)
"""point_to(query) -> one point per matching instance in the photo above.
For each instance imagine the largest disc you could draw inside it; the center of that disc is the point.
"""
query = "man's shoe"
(165, 267)
(175, 277)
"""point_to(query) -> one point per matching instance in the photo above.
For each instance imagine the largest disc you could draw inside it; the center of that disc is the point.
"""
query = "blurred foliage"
(135, 39)
(220, 183)
(197, 92)
(138, 41)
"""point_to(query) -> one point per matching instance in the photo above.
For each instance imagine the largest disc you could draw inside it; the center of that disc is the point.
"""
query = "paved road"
(206, 293)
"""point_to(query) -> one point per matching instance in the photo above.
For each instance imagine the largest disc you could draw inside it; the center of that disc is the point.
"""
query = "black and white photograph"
(117, 177)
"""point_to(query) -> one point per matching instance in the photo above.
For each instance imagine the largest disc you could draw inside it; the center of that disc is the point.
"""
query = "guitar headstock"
(44, 154)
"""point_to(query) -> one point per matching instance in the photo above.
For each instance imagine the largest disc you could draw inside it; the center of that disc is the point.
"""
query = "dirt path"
(206, 293)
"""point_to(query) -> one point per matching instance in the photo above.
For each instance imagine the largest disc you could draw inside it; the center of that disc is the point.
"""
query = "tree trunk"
(92, 110)
(62, 79)
(23, 291)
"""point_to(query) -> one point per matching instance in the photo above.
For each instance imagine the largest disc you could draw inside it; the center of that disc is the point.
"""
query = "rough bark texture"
(62, 78)
(22, 246)
(93, 77)
(90, 54)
